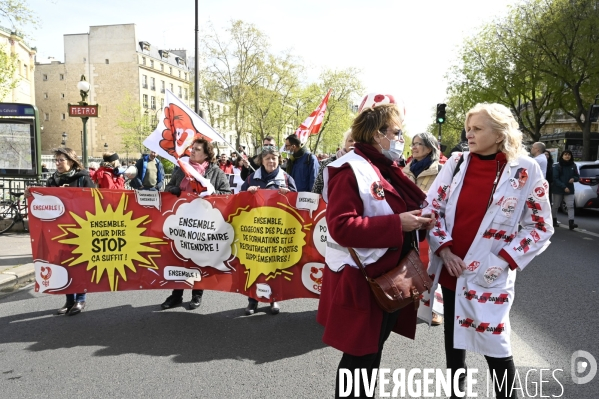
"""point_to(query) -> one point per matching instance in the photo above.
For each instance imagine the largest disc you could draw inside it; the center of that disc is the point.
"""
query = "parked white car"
(585, 190)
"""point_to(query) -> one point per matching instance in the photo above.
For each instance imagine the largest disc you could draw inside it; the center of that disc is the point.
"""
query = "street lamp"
(83, 87)
(64, 139)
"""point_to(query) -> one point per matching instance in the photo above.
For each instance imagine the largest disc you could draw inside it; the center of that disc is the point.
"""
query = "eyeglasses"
(397, 133)
(60, 160)
(195, 149)
(417, 144)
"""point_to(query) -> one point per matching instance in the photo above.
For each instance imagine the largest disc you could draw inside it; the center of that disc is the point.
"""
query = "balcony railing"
(153, 88)
(145, 85)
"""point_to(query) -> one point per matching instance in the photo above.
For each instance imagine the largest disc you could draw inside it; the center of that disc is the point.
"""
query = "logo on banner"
(535, 236)
(263, 290)
(539, 192)
(46, 207)
(50, 277)
(473, 266)
(312, 276)
(177, 273)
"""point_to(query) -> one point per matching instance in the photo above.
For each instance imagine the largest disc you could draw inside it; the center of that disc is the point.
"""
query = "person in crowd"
(375, 209)
(44, 168)
(69, 173)
(498, 190)
(225, 164)
(107, 175)
(251, 164)
(549, 178)
(537, 150)
(462, 146)
(92, 167)
(302, 165)
(238, 165)
(150, 173)
(347, 147)
(269, 176)
(565, 173)
(422, 169)
(202, 160)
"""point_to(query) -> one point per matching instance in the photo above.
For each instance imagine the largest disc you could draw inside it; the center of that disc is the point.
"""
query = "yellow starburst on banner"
(110, 240)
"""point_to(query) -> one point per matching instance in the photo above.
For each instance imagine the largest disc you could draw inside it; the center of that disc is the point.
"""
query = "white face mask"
(395, 151)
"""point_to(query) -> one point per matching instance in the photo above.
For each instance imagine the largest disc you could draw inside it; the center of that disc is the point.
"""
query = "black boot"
(555, 222)
(572, 224)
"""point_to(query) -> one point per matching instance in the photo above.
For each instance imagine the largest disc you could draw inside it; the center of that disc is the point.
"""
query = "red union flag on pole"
(312, 123)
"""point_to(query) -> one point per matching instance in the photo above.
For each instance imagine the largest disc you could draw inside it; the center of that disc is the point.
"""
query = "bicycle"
(12, 212)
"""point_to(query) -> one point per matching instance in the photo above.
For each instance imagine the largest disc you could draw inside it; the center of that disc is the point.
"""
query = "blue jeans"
(71, 298)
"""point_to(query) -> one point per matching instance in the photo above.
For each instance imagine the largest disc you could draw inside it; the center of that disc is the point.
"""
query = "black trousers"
(456, 358)
(369, 362)
(179, 293)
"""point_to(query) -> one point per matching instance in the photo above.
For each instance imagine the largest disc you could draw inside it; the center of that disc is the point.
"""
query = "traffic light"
(594, 113)
(441, 113)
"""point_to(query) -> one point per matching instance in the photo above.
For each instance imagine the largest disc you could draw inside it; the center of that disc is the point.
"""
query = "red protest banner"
(261, 245)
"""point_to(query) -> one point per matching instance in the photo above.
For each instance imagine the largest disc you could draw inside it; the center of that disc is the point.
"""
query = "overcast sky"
(403, 47)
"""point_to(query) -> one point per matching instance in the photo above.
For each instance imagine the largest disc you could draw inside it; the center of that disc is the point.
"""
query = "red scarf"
(408, 191)
(200, 167)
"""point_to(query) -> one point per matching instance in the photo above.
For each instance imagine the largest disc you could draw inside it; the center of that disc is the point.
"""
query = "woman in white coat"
(480, 199)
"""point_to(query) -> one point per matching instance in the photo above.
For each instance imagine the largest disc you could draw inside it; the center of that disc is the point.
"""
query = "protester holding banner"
(201, 159)
(69, 173)
(375, 209)
(268, 176)
(348, 143)
(497, 218)
(251, 164)
(107, 174)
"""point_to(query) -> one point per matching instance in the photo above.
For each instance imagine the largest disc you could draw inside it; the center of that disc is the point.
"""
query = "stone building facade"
(128, 80)
(13, 43)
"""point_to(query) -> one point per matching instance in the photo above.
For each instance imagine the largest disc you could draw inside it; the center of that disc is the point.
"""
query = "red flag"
(312, 123)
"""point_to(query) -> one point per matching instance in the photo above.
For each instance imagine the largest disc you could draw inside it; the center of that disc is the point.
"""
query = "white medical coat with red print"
(485, 290)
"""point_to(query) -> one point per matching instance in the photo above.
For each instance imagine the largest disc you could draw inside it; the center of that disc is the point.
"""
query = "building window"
(179, 73)
(107, 61)
(170, 70)
(186, 94)
(145, 101)
(153, 102)
(151, 63)
(46, 117)
(144, 81)
(143, 60)
(180, 92)
(162, 86)
(172, 88)
(162, 103)
(162, 67)
(44, 77)
(45, 95)
(152, 84)
(25, 70)
(185, 75)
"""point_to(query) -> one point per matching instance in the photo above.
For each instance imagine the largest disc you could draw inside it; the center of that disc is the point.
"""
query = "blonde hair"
(505, 125)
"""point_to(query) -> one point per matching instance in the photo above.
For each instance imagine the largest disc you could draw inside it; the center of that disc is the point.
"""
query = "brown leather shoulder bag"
(401, 285)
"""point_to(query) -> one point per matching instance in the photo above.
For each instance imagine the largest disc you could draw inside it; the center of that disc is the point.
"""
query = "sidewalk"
(16, 262)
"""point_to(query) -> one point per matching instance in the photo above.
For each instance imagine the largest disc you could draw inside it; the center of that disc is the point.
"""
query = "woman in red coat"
(375, 209)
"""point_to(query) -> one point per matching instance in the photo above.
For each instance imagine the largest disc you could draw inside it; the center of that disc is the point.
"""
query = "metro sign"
(83, 111)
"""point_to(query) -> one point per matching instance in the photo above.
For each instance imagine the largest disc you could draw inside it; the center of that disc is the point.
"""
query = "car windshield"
(589, 171)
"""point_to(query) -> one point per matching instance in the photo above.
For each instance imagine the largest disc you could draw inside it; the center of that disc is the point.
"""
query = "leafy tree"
(8, 72)
(566, 32)
(18, 13)
(235, 66)
(346, 87)
(135, 124)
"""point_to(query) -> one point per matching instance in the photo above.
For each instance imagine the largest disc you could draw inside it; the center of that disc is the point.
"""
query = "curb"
(13, 278)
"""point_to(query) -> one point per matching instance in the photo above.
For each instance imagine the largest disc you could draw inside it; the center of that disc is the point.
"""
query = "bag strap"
(457, 168)
(356, 259)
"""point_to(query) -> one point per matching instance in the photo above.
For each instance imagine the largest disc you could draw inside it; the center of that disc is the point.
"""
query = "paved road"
(123, 346)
